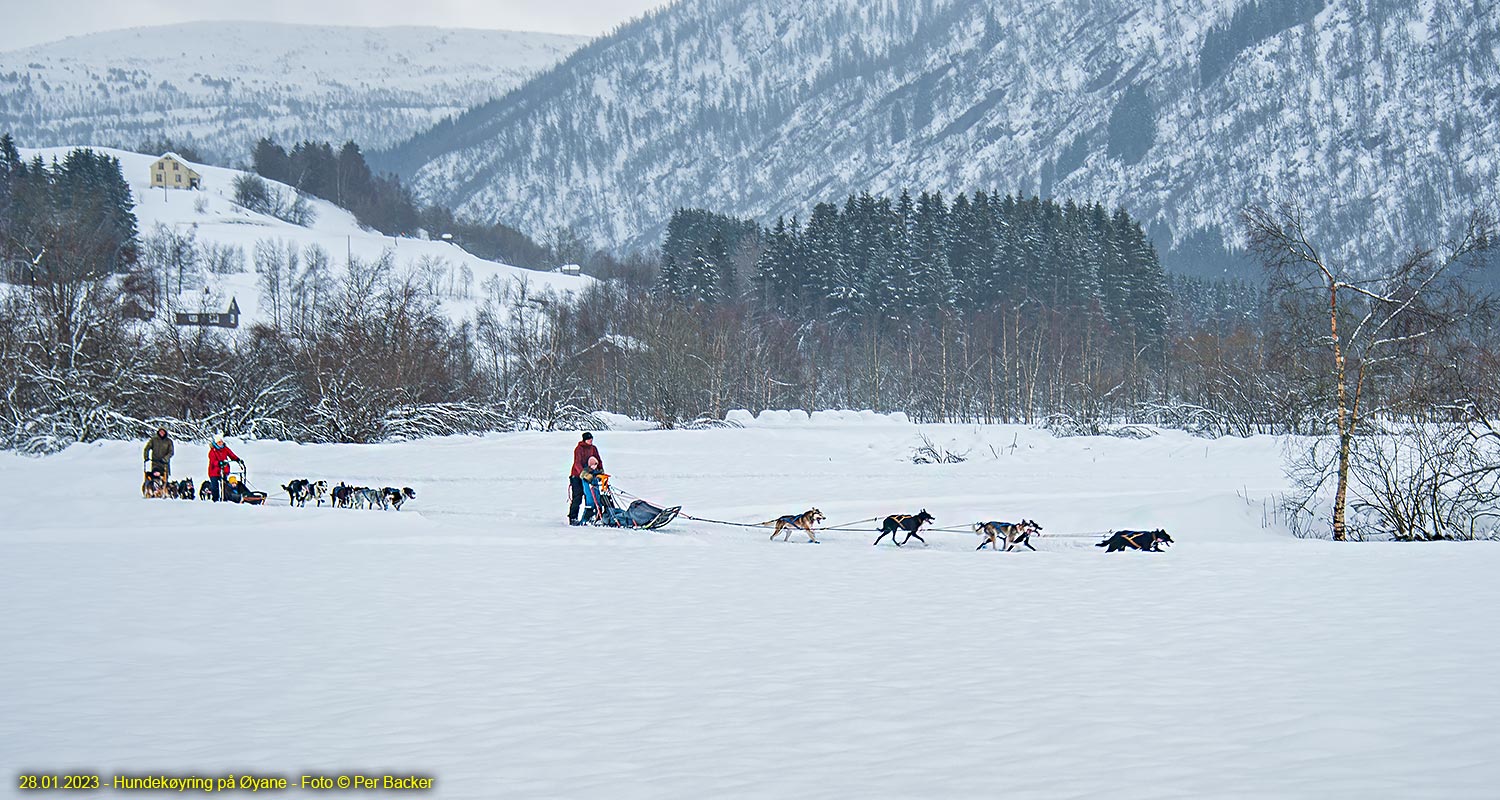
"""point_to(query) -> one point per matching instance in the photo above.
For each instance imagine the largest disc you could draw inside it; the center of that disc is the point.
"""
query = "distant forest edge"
(986, 307)
(882, 258)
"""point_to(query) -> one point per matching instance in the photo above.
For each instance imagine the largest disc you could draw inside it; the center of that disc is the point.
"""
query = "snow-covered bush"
(928, 452)
(407, 422)
(1407, 481)
(256, 194)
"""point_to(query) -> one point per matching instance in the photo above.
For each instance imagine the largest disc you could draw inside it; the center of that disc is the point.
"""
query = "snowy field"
(476, 638)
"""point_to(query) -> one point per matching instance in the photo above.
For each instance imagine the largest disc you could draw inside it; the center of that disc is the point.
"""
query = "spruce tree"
(270, 161)
(773, 268)
(934, 276)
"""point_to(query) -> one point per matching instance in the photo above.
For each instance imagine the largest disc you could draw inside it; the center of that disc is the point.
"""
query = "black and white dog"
(300, 491)
(395, 497)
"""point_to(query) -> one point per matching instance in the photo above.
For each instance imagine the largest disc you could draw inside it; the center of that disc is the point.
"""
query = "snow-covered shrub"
(1064, 426)
(407, 422)
(928, 452)
(256, 194)
(1407, 481)
(709, 423)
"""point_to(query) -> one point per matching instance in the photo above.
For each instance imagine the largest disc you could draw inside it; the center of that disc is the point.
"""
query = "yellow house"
(172, 172)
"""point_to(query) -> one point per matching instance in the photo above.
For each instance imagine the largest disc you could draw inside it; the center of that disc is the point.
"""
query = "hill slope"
(221, 85)
(212, 218)
(1380, 115)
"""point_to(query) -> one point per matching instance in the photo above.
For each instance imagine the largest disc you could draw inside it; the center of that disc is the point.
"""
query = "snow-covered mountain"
(1383, 116)
(215, 223)
(221, 85)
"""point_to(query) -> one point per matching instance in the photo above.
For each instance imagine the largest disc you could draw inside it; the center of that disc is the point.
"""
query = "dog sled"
(600, 508)
(237, 490)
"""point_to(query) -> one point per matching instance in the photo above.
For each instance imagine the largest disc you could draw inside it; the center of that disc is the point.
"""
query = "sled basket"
(242, 493)
(640, 514)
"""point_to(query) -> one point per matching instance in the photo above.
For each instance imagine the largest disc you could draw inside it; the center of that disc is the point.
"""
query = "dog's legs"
(1027, 542)
(776, 532)
(917, 536)
(884, 534)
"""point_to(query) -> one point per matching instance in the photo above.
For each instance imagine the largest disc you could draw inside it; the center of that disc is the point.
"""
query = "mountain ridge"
(1380, 115)
(221, 85)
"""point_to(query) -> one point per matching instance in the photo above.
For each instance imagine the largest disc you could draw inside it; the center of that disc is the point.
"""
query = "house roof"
(178, 159)
(234, 307)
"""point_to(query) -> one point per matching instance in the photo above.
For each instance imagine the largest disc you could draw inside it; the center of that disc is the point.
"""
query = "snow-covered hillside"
(1380, 116)
(211, 216)
(221, 85)
(473, 637)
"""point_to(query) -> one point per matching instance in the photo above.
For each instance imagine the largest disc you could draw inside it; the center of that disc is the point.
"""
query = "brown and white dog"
(1014, 534)
(155, 485)
(804, 522)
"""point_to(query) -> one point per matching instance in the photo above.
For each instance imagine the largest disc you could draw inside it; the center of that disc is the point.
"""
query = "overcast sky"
(35, 21)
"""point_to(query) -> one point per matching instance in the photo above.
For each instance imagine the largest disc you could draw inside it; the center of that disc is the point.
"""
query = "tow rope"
(845, 526)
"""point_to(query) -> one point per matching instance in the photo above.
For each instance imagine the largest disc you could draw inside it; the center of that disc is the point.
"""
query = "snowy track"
(476, 638)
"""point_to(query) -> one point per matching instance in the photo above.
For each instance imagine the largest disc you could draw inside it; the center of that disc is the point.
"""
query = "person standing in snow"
(158, 454)
(219, 456)
(582, 453)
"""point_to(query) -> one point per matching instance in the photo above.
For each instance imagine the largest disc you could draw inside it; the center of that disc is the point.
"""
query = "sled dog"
(1014, 534)
(804, 522)
(1150, 541)
(909, 523)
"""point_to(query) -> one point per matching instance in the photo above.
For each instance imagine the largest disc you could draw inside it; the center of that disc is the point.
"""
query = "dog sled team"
(226, 473)
(227, 481)
(588, 490)
(1006, 536)
(590, 501)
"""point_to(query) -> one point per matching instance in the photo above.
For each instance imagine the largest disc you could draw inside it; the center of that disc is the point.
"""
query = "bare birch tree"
(1375, 319)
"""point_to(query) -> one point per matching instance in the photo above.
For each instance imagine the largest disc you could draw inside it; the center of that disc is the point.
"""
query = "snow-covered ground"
(212, 217)
(476, 638)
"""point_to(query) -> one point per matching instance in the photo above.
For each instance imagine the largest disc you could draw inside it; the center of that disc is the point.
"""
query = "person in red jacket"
(584, 450)
(219, 456)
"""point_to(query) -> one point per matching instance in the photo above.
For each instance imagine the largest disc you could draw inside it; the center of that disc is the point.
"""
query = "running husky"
(1014, 533)
(804, 522)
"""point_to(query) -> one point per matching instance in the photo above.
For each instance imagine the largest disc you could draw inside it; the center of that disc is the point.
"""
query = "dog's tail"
(1104, 543)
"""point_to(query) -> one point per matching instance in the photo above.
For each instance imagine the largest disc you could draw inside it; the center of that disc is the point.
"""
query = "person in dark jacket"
(582, 452)
(219, 456)
(158, 454)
